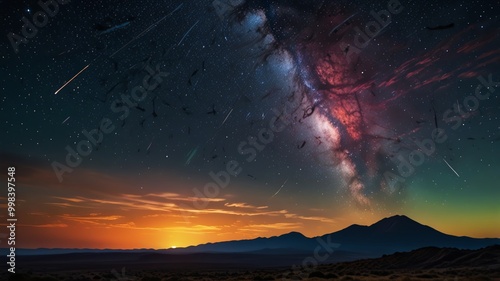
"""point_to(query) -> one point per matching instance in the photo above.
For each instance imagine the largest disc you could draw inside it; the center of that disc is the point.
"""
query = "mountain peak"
(399, 223)
(293, 234)
(396, 218)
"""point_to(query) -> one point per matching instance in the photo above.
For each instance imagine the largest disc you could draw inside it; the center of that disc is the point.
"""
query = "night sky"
(202, 121)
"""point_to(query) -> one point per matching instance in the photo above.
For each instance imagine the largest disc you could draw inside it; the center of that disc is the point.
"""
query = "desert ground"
(343, 272)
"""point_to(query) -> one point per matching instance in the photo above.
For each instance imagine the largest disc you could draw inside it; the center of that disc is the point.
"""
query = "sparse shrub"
(483, 278)
(331, 275)
(380, 272)
(108, 276)
(19, 277)
(317, 274)
(83, 278)
(46, 278)
(263, 278)
(149, 278)
(426, 276)
(175, 278)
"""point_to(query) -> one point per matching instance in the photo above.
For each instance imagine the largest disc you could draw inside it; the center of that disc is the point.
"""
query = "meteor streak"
(225, 119)
(280, 188)
(451, 167)
(73, 78)
(190, 155)
(186, 34)
(340, 24)
(147, 30)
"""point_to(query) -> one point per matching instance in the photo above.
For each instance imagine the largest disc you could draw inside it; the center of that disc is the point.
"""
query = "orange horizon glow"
(99, 211)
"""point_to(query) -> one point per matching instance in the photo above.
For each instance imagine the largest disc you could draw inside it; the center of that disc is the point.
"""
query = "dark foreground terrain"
(423, 264)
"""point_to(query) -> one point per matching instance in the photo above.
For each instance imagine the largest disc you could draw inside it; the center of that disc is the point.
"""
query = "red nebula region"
(340, 89)
(344, 105)
(347, 115)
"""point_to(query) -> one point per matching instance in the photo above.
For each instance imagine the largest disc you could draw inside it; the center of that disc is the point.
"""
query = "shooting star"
(280, 188)
(176, 9)
(73, 78)
(116, 27)
(225, 119)
(451, 167)
(190, 155)
(147, 30)
(186, 34)
(65, 120)
(340, 24)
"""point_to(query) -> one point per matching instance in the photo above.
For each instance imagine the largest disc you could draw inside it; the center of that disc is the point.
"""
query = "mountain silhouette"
(389, 235)
(292, 240)
(399, 234)
(394, 234)
(430, 258)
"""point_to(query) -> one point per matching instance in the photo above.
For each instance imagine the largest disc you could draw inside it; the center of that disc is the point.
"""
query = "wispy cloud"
(244, 205)
(75, 200)
(267, 227)
(90, 219)
(48, 225)
(314, 218)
